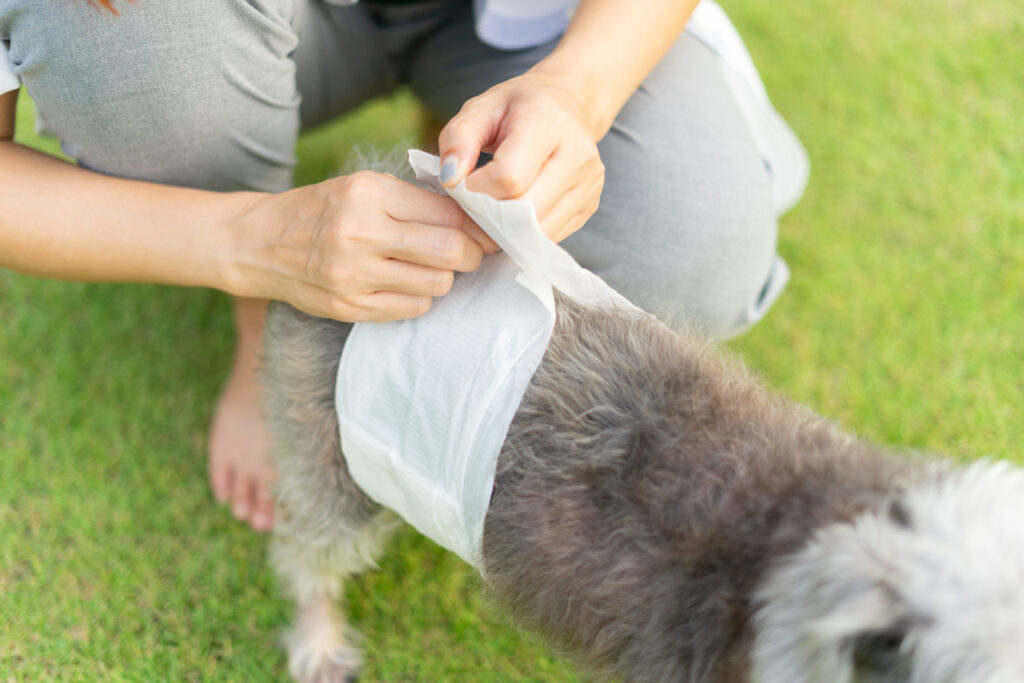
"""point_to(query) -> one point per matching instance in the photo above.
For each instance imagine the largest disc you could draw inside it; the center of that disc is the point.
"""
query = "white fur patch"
(952, 580)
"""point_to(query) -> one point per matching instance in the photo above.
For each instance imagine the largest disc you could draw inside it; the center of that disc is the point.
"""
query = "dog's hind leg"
(325, 527)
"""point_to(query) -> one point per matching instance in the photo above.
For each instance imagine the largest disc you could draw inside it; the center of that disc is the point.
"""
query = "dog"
(661, 516)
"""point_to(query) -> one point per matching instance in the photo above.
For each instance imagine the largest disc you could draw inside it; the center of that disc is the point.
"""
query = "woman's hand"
(543, 150)
(543, 127)
(366, 246)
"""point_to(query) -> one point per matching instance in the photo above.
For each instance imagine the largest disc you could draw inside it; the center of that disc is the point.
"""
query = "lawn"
(904, 321)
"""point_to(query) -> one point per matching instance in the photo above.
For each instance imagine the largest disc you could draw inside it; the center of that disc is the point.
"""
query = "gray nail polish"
(449, 169)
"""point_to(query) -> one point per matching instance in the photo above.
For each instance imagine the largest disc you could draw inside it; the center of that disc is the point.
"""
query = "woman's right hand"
(365, 246)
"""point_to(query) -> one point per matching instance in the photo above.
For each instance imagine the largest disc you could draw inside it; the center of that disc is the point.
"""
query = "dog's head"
(928, 590)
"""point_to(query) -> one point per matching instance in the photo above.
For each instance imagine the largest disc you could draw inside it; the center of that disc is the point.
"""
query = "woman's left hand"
(542, 146)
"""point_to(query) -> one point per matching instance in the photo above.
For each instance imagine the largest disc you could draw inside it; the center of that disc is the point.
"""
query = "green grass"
(903, 321)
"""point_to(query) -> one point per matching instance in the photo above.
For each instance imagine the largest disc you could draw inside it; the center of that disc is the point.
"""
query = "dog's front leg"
(325, 528)
(320, 644)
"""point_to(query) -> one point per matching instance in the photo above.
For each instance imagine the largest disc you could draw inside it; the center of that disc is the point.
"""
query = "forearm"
(361, 247)
(602, 75)
(61, 221)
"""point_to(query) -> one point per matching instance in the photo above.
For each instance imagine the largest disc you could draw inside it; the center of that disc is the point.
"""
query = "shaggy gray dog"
(662, 517)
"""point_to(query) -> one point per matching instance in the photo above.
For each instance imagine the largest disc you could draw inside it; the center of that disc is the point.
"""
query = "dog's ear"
(829, 610)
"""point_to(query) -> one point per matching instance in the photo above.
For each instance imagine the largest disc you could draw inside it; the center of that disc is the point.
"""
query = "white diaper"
(424, 405)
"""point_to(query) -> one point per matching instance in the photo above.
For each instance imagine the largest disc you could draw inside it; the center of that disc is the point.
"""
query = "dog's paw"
(339, 665)
(318, 649)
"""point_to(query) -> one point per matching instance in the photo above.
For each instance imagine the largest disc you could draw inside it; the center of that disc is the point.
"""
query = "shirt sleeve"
(8, 81)
(518, 24)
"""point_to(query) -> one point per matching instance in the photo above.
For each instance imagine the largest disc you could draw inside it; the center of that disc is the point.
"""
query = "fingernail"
(240, 510)
(449, 167)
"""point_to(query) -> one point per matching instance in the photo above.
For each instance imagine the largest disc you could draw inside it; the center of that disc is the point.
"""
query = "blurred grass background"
(903, 322)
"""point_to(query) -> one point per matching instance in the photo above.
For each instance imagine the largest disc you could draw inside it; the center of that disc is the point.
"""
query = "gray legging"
(213, 93)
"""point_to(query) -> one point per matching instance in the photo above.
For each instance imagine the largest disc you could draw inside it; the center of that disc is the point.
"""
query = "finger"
(476, 126)
(477, 234)
(515, 166)
(383, 306)
(573, 224)
(410, 203)
(376, 306)
(571, 212)
(561, 174)
(434, 247)
(379, 306)
(409, 278)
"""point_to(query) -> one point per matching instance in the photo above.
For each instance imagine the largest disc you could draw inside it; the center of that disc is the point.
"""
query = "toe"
(221, 480)
(263, 516)
(241, 497)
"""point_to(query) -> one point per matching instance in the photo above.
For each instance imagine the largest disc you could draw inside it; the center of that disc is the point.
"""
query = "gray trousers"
(213, 94)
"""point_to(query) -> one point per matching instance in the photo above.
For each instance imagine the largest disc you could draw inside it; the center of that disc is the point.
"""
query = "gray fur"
(651, 481)
(323, 520)
(660, 516)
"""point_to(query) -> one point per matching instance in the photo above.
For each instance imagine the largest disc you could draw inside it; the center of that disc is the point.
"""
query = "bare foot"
(239, 458)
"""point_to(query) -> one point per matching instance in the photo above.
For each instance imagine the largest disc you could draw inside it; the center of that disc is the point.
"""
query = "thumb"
(471, 130)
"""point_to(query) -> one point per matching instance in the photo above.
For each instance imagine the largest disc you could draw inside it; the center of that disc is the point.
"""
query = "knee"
(686, 226)
(721, 280)
(719, 270)
(695, 249)
(126, 98)
(723, 301)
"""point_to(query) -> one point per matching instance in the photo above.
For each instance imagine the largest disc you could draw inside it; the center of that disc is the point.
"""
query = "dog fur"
(661, 516)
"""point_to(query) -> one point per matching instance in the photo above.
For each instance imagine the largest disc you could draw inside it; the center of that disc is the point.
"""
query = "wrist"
(236, 231)
(603, 78)
(595, 106)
